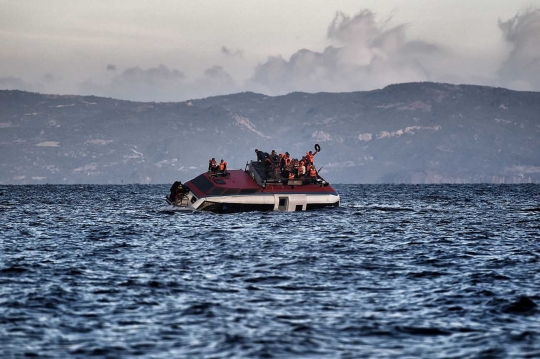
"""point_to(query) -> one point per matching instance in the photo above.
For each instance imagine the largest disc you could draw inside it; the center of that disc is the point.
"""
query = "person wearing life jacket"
(310, 156)
(313, 172)
(212, 165)
(222, 166)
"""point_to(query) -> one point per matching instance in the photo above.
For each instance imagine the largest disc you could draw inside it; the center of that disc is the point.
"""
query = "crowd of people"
(282, 165)
(289, 167)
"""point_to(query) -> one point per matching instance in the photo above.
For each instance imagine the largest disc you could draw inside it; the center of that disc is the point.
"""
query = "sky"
(176, 50)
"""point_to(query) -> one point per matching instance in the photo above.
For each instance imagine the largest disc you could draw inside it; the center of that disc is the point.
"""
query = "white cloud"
(521, 69)
(356, 52)
(364, 54)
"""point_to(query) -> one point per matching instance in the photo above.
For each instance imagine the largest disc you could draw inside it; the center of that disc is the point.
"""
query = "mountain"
(405, 133)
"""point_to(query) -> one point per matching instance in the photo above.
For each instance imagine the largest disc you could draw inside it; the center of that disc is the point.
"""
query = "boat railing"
(255, 174)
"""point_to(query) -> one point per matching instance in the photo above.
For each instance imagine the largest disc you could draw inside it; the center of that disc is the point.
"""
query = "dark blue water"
(397, 271)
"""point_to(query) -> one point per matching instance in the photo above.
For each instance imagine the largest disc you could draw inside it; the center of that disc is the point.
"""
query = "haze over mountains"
(406, 133)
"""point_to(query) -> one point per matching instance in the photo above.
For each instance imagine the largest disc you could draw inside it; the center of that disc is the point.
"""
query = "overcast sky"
(176, 50)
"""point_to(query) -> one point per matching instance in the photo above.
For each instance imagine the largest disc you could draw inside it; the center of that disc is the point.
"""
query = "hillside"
(407, 133)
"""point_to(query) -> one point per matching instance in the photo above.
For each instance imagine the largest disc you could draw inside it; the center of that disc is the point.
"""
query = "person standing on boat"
(313, 172)
(310, 156)
(288, 162)
(212, 165)
(282, 157)
(274, 157)
(301, 169)
(260, 155)
(308, 169)
(285, 160)
(222, 166)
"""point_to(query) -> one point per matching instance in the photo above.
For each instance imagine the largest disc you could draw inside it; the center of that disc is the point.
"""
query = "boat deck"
(267, 175)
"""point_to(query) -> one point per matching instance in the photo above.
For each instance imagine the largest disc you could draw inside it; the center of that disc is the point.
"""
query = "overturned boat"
(259, 187)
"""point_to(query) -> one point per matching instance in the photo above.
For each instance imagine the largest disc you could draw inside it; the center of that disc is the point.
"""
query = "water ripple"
(396, 271)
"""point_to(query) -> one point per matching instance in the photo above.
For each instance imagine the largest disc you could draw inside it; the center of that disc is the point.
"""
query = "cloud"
(521, 69)
(49, 78)
(216, 81)
(360, 52)
(162, 83)
(232, 53)
(152, 76)
(218, 74)
(364, 54)
(15, 83)
(152, 84)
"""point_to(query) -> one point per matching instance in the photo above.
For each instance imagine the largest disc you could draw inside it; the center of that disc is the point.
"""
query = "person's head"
(256, 150)
(213, 159)
(287, 154)
(310, 152)
(222, 160)
(273, 152)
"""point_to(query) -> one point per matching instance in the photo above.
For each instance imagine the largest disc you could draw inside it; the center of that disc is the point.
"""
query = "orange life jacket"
(222, 166)
(313, 172)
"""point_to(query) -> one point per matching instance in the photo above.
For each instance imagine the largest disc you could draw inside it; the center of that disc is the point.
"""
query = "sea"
(397, 271)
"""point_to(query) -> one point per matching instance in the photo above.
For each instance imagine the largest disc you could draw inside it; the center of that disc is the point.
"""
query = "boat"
(260, 186)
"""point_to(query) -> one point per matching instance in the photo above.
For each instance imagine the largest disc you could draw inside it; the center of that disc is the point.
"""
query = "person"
(288, 162)
(310, 156)
(260, 155)
(222, 166)
(178, 190)
(313, 172)
(301, 169)
(282, 157)
(173, 190)
(274, 157)
(212, 165)
(181, 191)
